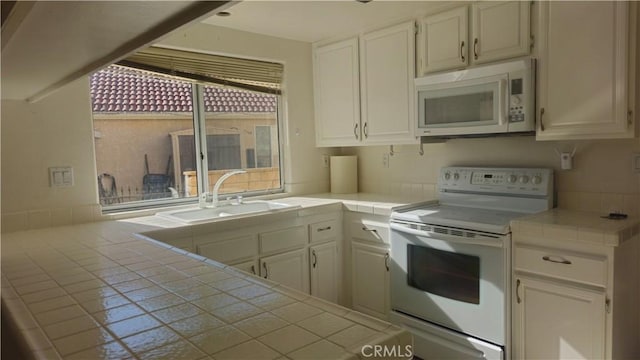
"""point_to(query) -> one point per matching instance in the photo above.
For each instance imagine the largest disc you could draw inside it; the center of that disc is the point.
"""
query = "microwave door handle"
(504, 108)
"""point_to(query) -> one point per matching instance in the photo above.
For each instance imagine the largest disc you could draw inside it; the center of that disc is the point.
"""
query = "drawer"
(231, 250)
(369, 230)
(283, 239)
(324, 231)
(566, 265)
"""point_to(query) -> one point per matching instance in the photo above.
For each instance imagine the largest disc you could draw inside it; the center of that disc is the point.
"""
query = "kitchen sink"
(198, 215)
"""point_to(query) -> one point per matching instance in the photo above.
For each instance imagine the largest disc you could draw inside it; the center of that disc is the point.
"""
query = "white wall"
(55, 131)
(58, 131)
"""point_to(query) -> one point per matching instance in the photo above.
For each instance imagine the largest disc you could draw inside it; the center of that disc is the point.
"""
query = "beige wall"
(124, 139)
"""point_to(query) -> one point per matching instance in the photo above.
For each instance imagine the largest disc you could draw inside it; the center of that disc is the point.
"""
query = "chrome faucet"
(216, 188)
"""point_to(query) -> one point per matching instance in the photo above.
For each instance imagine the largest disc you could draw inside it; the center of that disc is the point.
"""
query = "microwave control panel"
(517, 108)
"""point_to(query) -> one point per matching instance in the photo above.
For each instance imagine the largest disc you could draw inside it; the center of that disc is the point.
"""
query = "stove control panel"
(536, 181)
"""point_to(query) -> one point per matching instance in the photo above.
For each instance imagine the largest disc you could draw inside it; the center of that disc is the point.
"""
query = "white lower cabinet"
(557, 321)
(325, 266)
(575, 300)
(282, 251)
(370, 279)
(290, 269)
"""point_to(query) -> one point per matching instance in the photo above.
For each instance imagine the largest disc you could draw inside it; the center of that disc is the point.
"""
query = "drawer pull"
(557, 260)
(364, 228)
(386, 260)
(324, 228)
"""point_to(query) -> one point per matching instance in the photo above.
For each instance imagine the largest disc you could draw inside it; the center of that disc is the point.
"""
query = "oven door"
(458, 282)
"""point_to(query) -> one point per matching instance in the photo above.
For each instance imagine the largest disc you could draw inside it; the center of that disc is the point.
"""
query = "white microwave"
(480, 101)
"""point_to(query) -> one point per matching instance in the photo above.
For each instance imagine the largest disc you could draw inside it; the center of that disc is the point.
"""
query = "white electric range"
(451, 260)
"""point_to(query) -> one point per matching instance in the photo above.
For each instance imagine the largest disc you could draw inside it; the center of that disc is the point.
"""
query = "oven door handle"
(482, 240)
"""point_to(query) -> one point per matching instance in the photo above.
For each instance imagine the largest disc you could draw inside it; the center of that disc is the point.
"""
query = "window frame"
(199, 132)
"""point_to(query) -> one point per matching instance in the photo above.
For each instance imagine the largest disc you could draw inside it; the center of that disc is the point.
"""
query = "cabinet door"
(554, 321)
(324, 271)
(337, 93)
(584, 71)
(500, 30)
(290, 269)
(370, 279)
(443, 41)
(387, 70)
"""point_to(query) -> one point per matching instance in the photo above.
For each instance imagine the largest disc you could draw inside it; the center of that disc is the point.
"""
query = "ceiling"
(46, 44)
(311, 21)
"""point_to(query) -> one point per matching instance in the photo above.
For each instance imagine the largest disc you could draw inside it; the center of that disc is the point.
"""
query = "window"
(146, 128)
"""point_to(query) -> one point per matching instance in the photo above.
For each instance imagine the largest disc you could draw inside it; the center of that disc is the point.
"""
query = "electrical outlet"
(325, 160)
(385, 160)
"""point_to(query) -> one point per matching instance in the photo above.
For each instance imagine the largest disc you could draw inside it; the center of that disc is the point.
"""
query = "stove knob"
(511, 179)
(447, 175)
(456, 176)
(524, 179)
(536, 179)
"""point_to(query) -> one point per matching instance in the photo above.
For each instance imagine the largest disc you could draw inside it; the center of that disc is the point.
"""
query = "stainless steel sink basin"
(198, 215)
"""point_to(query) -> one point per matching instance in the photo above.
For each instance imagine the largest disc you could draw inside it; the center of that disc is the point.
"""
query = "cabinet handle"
(364, 228)
(461, 51)
(253, 269)
(630, 117)
(556, 259)
(315, 258)
(324, 228)
(365, 129)
(475, 48)
(355, 131)
(607, 305)
(518, 291)
(386, 261)
(541, 122)
(266, 271)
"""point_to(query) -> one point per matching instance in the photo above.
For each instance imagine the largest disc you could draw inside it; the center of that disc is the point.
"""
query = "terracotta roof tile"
(116, 89)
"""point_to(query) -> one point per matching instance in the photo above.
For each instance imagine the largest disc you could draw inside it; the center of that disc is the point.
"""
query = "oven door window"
(444, 273)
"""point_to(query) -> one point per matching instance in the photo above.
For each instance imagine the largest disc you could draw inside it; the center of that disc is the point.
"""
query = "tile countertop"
(569, 225)
(99, 290)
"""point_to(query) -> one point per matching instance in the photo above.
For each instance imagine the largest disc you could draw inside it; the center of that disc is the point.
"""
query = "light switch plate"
(636, 163)
(61, 176)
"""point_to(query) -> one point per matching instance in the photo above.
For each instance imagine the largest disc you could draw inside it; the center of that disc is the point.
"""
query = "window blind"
(253, 75)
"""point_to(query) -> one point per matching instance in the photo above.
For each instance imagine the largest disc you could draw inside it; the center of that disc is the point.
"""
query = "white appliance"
(492, 99)
(451, 260)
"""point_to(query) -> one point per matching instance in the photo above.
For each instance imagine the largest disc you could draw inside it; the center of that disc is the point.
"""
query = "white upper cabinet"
(585, 85)
(387, 63)
(499, 30)
(443, 41)
(337, 93)
(364, 89)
